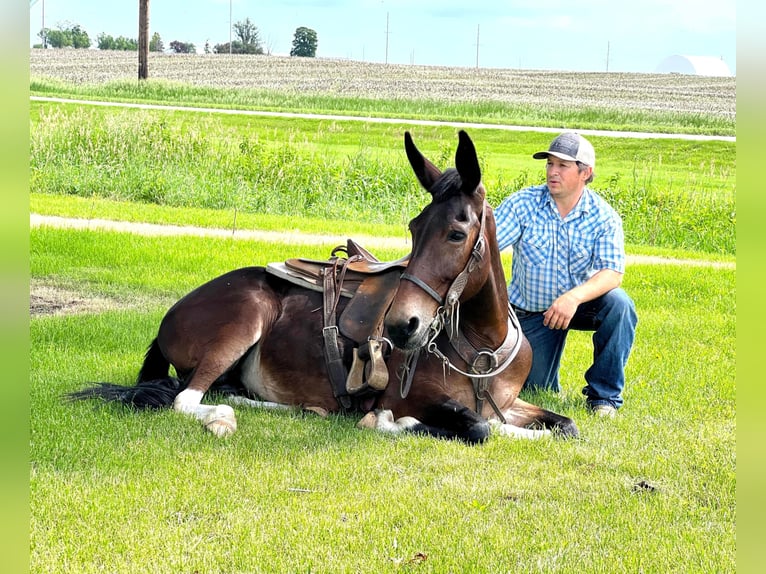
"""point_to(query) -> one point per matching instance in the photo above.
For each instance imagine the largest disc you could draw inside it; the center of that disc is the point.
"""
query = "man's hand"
(560, 313)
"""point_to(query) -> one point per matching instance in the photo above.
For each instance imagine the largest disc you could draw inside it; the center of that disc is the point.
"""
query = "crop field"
(645, 102)
(112, 490)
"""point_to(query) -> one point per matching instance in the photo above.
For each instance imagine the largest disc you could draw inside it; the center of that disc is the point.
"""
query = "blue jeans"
(613, 318)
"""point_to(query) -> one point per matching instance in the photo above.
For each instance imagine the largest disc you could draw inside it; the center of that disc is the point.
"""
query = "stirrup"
(368, 369)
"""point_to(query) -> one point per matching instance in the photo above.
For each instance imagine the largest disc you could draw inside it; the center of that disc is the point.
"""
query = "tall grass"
(681, 195)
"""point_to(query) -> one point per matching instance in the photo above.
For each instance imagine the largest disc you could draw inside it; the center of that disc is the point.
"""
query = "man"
(568, 263)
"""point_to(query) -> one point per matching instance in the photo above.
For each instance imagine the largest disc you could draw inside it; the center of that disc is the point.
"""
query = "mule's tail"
(156, 394)
(155, 364)
(154, 389)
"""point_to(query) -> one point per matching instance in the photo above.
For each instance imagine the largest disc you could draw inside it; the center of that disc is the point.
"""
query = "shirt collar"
(585, 204)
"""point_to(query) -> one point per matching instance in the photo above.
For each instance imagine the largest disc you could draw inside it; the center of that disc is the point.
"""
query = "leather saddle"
(370, 286)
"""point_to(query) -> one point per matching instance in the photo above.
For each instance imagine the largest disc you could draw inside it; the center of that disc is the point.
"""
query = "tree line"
(248, 41)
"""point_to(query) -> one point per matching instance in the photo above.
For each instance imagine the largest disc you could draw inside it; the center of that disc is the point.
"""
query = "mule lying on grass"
(427, 344)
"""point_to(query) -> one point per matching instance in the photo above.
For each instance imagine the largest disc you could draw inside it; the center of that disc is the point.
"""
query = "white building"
(694, 65)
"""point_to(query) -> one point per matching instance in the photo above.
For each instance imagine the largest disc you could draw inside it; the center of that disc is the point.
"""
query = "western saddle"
(370, 286)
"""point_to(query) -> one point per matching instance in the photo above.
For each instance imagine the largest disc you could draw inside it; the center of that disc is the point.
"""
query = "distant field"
(672, 193)
(668, 103)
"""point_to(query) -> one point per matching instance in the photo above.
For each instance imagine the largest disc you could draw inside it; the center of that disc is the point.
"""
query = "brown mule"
(459, 358)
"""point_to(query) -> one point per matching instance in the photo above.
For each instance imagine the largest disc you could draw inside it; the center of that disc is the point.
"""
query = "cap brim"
(545, 154)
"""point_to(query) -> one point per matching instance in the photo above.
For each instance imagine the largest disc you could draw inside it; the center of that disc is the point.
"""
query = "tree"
(304, 43)
(80, 37)
(248, 34)
(183, 47)
(106, 42)
(66, 36)
(155, 44)
(248, 40)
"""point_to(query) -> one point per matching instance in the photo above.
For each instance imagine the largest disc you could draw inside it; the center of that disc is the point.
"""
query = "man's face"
(564, 177)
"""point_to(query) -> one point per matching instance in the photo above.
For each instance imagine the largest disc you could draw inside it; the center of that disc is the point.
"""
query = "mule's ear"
(426, 172)
(467, 163)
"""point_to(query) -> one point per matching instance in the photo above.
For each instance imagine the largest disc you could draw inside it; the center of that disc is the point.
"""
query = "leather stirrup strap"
(335, 369)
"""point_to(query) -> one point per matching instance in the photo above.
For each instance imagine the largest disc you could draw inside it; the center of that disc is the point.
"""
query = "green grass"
(115, 490)
(121, 491)
(99, 208)
(671, 193)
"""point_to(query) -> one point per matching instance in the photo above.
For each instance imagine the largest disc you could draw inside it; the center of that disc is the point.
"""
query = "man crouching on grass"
(568, 263)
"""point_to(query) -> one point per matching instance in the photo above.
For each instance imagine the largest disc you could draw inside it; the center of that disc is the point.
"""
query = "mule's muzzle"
(407, 334)
(401, 332)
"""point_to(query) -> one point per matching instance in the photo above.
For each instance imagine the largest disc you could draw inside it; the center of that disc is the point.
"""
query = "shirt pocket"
(535, 248)
(581, 258)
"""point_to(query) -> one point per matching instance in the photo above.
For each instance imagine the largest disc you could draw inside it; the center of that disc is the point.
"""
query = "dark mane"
(449, 185)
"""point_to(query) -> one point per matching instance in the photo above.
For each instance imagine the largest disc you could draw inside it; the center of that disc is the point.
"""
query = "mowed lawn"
(114, 490)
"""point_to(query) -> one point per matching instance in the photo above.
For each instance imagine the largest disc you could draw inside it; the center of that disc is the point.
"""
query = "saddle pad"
(307, 281)
(355, 267)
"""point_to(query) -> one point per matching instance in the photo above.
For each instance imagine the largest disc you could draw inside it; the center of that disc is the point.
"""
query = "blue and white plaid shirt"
(552, 255)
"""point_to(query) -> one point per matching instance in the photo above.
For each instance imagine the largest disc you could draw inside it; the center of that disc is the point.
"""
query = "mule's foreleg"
(528, 417)
(448, 419)
(245, 402)
(218, 419)
(383, 420)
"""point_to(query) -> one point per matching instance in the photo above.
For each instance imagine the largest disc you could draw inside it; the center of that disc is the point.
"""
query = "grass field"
(651, 491)
(671, 193)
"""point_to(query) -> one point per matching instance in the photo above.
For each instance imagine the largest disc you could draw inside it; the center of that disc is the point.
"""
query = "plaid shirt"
(552, 255)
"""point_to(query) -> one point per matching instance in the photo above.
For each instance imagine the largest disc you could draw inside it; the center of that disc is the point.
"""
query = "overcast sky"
(552, 35)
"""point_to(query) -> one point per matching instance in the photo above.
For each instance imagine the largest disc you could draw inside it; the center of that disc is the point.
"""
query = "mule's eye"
(456, 236)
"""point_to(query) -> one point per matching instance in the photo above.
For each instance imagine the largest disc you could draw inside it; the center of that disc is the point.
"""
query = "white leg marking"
(383, 420)
(218, 419)
(517, 432)
(245, 402)
(188, 402)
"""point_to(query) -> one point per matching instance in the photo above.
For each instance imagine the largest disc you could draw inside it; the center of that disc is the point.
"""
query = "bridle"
(483, 364)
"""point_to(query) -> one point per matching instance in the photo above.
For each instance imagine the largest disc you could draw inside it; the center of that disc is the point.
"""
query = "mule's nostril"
(401, 332)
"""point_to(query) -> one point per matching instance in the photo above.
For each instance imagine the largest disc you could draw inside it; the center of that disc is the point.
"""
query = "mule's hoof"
(221, 421)
(369, 421)
(324, 413)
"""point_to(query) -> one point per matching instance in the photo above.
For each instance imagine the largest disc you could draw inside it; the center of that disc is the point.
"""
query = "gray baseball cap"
(570, 146)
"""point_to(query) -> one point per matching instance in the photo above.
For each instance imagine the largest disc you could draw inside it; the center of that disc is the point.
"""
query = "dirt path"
(372, 242)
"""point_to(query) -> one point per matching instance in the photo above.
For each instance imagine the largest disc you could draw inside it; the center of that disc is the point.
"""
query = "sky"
(585, 36)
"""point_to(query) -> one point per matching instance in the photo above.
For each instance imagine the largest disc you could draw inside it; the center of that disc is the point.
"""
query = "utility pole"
(607, 55)
(387, 32)
(230, 27)
(477, 46)
(45, 35)
(143, 39)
